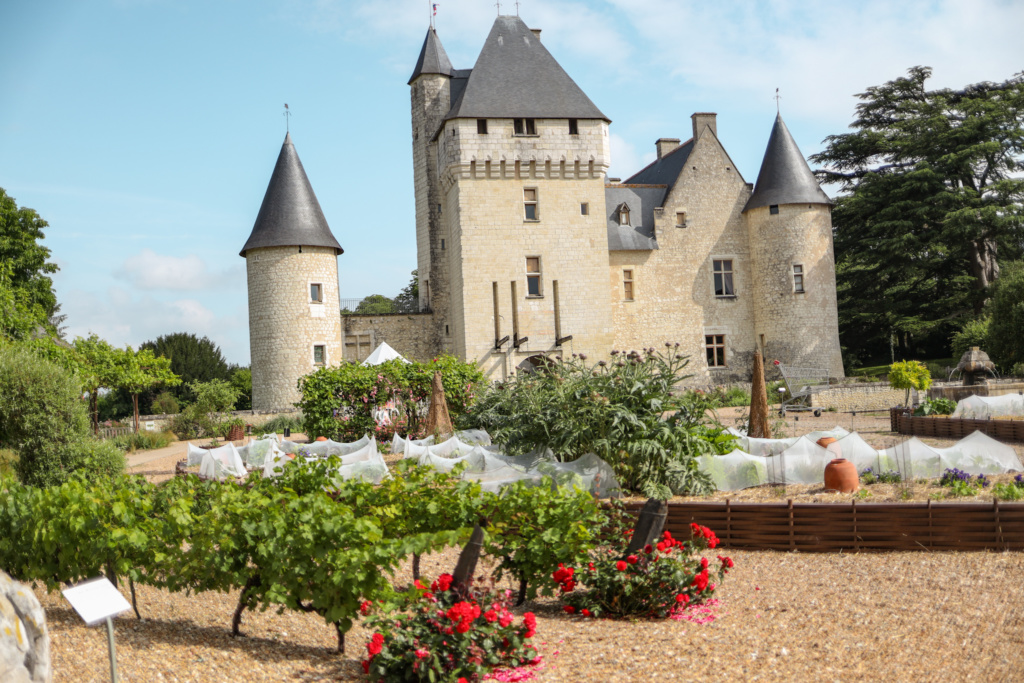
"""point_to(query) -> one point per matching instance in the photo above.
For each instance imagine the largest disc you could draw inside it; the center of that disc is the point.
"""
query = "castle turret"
(291, 261)
(794, 278)
(431, 93)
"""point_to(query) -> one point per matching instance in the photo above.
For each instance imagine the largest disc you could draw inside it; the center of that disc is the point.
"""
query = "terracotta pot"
(321, 438)
(841, 475)
(825, 441)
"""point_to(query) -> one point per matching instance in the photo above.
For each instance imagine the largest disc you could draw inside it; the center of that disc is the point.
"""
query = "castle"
(526, 250)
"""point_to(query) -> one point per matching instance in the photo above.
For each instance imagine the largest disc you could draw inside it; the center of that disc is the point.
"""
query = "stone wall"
(957, 392)
(24, 640)
(407, 333)
(160, 423)
(866, 396)
(284, 324)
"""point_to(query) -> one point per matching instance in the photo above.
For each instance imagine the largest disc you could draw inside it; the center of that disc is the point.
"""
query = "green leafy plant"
(729, 398)
(166, 404)
(935, 406)
(869, 476)
(203, 417)
(142, 441)
(278, 424)
(909, 374)
(444, 634)
(656, 582)
(1008, 491)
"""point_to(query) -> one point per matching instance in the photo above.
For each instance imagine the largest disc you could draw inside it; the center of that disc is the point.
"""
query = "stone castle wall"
(408, 334)
(800, 329)
(284, 324)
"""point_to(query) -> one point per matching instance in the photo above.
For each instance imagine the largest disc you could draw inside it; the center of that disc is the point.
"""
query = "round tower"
(789, 219)
(291, 262)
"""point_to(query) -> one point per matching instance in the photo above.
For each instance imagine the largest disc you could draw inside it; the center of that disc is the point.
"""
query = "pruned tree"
(98, 369)
(138, 371)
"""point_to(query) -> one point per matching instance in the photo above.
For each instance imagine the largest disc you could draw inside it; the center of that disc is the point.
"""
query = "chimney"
(666, 145)
(614, 181)
(702, 120)
(536, 33)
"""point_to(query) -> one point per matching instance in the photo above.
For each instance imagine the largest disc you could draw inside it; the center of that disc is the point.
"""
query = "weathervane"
(777, 98)
(433, 12)
(287, 115)
(498, 5)
(517, 8)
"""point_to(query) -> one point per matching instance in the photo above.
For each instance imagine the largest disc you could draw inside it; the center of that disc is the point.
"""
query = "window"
(316, 293)
(798, 279)
(442, 244)
(524, 126)
(715, 345)
(680, 219)
(627, 285)
(533, 276)
(318, 354)
(623, 215)
(481, 126)
(574, 127)
(773, 209)
(584, 209)
(530, 204)
(723, 278)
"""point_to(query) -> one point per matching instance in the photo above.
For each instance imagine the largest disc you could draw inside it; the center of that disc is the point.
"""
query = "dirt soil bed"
(782, 617)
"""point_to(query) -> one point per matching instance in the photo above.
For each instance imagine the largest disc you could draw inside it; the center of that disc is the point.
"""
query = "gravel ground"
(781, 617)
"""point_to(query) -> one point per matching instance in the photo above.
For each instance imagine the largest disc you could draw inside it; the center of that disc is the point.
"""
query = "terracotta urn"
(840, 473)
(321, 438)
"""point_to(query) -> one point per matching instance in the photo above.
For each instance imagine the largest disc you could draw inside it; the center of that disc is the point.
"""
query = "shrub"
(278, 424)
(656, 582)
(166, 404)
(936, 406)
(909, 374)
(1006, 312)
(973, 333)
(202, 418)
(141, 441)
(8, 462)
(97, 459)
(41, 415)
(732, 397)
(627, 412)
(1017, 370)
(444, 635)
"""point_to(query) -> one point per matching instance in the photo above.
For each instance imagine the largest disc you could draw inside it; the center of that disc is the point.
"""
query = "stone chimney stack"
(666, 145)
(535, 32)
(702, 120)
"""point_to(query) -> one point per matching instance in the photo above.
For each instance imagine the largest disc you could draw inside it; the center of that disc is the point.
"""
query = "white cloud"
(150, 271)
(625, 159)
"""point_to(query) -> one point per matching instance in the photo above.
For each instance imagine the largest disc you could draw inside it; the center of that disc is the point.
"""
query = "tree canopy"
(931, 205)
(27, 299)
(193, 359)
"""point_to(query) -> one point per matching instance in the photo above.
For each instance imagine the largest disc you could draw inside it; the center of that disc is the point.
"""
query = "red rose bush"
(440, 634)
(661, 580)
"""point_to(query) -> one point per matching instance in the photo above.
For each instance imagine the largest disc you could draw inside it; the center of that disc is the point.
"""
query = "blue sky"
(145, 131)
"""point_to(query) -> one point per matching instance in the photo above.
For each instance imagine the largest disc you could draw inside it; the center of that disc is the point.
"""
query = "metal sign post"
(97, 600)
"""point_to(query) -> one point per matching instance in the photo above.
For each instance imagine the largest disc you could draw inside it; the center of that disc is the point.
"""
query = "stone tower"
(291, 261)
(430, 86)
(789, 220)
(511, 158)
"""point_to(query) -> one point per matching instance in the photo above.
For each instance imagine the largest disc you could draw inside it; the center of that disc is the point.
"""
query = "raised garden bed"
(956, 427)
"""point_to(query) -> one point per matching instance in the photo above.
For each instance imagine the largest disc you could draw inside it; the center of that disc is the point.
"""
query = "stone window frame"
(732, 272)
(524, 128)
(628, 284)
(481, 126)
(681, 221)
(309, 291)
(574, 127)
(531, 201)
(584, 208)
(715, 342)
(535, 276)
(624, 214)
(322, 345)
(773, 209)
(799, 278)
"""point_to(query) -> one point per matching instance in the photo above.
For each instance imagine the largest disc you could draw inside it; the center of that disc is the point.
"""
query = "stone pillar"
(24, 641)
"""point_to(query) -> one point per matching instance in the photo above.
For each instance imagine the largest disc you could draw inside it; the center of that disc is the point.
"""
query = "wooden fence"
(854, 527)
(955, 427)
(111, 432)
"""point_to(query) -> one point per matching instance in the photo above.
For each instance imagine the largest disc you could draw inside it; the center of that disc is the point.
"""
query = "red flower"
(701, 580)
(682, 598)
(591, 566)
(443, 583)
(462, 680)
(375, 645)
(727, 561)
(364, 608)
(661, 546)
(366, 666)
(703, 563)
(568, 609)
(505, 620)
(491, 616)
(648, 548)
(620, 565)
(419, 585)
(775, 362)
(530, 619)
(422, 654)
(632, 559)
(585, 612)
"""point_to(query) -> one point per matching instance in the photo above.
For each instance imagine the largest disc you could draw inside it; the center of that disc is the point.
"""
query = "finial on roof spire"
(287, 117)
(777, 98)
(433, 12)
(517, 8)
(498, 5)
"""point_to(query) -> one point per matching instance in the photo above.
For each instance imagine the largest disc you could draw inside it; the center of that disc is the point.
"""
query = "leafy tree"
(973, 333)
(376, 304)
(408, 300)
(193, 359)
(909, 374)
(19, 316)
(241, 380)
(932, 200)
(137, 371)
(1006, 311)
(21, 231)
(98, 368)
(202, 418)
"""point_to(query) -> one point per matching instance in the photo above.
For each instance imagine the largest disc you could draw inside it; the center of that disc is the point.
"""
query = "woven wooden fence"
(851, 527)
(957, 428)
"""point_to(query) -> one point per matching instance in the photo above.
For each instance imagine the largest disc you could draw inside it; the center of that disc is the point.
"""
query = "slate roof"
(290, 214)
(433, 59)
(663, 171)
(516, 77)
(785, 177)
(639, 236)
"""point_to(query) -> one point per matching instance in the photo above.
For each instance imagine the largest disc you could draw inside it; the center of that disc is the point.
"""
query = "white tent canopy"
(382, 354)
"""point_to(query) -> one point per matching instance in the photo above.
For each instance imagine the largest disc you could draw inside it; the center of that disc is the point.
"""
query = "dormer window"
(524, 126)
(623, 214)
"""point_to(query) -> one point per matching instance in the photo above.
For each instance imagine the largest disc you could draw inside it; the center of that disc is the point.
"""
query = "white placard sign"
(95, 600)
(151, 426)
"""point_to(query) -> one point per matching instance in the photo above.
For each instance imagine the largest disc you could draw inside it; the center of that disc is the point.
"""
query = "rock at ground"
(24, 642)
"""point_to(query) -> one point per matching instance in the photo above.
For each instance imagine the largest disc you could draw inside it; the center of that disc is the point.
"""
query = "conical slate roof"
(433, 59)
(516, 77)
(785, 177)
(290, 215)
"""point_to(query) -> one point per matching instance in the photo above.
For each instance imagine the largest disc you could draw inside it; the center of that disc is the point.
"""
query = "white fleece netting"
(492, 469)
(802, 460)
(985, 407)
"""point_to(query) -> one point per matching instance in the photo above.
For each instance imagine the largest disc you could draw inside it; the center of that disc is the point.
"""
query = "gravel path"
(782, 617)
